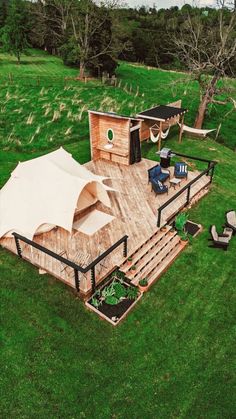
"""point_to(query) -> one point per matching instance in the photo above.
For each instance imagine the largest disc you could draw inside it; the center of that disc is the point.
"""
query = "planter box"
(193, 228)
(114, 313)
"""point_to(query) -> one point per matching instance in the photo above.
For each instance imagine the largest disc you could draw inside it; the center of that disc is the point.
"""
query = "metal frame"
(209, 172)
(77, 268)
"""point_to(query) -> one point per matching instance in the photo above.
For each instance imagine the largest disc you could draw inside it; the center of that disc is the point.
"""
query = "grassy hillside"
(42, 103)
(173, 357)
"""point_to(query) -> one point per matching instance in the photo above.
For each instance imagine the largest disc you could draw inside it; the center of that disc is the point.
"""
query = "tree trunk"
(81, 69)
(208, 96)
(18, 58)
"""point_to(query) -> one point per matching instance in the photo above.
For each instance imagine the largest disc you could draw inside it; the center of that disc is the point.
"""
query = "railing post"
(188, 194)
(93, 279)
(125, 250)
(77, 282)
(212, 172)
(209, 167)
(159, 218)
(18, 248)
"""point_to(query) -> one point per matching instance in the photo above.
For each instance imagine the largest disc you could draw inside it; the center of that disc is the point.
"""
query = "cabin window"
(110, 135)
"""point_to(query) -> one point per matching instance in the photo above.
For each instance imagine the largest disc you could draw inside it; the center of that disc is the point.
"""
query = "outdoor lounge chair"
(231, 220)
(181, 170)
(158, 187)
(220, 240)
(157, 174)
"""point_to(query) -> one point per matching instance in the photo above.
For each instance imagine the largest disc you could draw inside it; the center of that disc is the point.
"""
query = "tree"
(3, 12)
(90, 23)
(207, 52)
(14, 33)
(52, 22)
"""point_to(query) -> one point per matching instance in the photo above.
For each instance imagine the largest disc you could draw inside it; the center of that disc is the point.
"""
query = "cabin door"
(135, 146)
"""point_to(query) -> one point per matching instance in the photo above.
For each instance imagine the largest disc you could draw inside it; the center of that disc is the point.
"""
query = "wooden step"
(157, 260)
(166, 242)
(144, 249)
(156, 273)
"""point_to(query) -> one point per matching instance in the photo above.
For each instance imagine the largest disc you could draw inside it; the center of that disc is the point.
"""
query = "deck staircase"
(153, 257)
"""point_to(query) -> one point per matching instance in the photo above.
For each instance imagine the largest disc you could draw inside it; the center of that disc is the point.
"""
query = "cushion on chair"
(181, 169)
(163, 176)
(231, 218)
(214, 233)
(158, 186)
(155, 172)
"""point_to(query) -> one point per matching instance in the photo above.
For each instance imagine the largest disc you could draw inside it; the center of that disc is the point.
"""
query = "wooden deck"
(134, 207)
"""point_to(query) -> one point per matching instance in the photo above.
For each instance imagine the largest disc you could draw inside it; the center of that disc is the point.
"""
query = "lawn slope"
(42, 102)
(173, 357)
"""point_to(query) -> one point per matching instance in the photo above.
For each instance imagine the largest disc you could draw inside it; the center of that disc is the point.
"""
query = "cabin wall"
(99, 124)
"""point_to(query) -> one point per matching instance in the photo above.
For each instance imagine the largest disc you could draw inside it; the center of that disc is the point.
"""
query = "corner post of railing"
(212, 171)
(159, 218)
(93, 279)
(18, 247)
(188, 194)
(125, 249)
(77, 281)
(209, 167)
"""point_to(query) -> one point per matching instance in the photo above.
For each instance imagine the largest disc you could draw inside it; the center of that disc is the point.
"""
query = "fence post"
(77, 282)
(209, 167)
(188, 194)
(18, 248)
(159, 218)
(212, 172)
(93, 279)
(125, 250)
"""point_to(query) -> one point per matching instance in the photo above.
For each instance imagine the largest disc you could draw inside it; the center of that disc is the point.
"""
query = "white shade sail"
(48, 190)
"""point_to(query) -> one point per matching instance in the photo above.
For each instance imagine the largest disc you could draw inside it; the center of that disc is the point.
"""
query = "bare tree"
(88, 20)
(208, 53)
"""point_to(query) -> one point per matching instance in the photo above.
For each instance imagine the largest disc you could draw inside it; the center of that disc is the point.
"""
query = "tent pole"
(181, 129)
(160, 132)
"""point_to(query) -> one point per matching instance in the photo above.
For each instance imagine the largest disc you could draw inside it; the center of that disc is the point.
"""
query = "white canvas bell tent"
(46, 192)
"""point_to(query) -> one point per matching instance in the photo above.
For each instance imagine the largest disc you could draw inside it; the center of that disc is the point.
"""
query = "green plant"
(130, 259)
(183, 235)
(143, 282)
(120, 290)
(95, 302)
(180, 221)
(120, 275)
(108, 291)
(112, 300)
(133, 268)
(132, 293)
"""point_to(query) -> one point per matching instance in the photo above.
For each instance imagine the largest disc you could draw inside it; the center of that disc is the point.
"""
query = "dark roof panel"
(162, 112)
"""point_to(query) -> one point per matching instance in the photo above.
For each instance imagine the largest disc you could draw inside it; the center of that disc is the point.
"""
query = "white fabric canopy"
(47, 191)
(92, 222)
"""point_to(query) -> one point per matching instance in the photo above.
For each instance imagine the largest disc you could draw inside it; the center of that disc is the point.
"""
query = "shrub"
(143, 282)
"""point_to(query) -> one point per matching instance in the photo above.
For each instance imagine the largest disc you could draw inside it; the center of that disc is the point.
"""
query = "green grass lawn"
(173, 356)
(42, 103)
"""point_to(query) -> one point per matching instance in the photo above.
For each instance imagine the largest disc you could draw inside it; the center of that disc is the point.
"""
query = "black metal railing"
(209, 172)
(77, 268)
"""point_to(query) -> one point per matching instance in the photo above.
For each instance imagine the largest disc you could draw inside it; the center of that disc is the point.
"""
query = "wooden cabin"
(115, 137)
